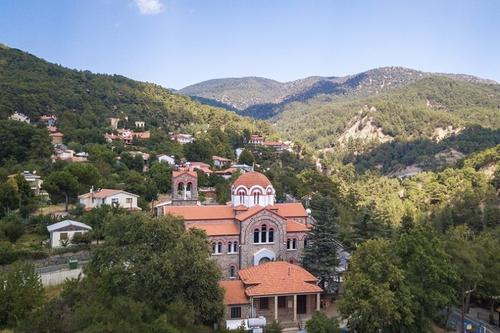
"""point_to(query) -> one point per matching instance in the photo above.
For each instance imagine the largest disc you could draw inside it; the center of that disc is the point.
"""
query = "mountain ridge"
(262, 97)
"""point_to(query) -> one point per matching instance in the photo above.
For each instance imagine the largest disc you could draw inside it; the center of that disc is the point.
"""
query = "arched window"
(180, 188)
(214, 248)
(256, 198)
(290, 261)
(263, 234)
(232, 271)
(256, 236)
(288, 243)
(305, 242)
(229, 247)
(271, 235)
(235, 247)
(189, 186)
(219, 247)
(241, 193)
(294, 243)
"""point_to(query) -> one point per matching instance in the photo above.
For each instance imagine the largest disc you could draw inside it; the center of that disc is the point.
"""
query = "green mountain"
(35, 87)
(265, 98)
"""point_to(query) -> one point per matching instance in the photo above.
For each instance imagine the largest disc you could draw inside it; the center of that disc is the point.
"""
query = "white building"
(166, 159)
(220, 162)
(19, 117)
(183, 138)
(64, 231)
(110, 197)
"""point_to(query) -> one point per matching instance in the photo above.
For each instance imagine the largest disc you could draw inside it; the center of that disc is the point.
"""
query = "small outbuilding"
(64, 231)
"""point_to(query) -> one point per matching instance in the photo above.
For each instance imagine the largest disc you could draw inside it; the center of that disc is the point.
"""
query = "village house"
(35, 182)
(61, 233)
(203, 167)
(227, 173)
(169, 159)
(256, 139)
(126, 136)
(19, 117)
(220, 162)
(114, 123)
(120, 198)
(140, 124)
(57, 138)
(49, 120)
(182, 138)
(242, 168)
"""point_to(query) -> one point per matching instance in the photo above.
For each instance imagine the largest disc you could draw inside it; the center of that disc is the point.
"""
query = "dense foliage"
(149, 275)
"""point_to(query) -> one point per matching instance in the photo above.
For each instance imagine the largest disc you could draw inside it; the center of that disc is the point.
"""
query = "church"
(250, 230)
(256, 242)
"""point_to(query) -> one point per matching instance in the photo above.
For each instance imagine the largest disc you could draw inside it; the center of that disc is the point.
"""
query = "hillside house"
(112, 197)
(20, 117)
(182, 138)
(139, 124)
(49, 120)
(35, 182)
(256, 139)
(61, 233)
(227, 173)
(220, 162)
(57, 138)
(163, 158)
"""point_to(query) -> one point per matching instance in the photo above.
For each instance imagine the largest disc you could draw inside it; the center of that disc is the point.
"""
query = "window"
(282, 302)
(214, 248)
(232, 271)
(305, 242)
(180, 188)
(256, 235)
(242, 196)
(291, 243)
(219, 247)
(236, 312)
(256, 198)
(229, 247)
(264, 303)
(114, 201)
(271, 235)
(128, 200)
(263, 234)
(63, 236)
(235, 247)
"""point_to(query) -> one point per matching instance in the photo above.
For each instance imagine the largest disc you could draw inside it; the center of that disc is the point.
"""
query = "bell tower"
(184, 187)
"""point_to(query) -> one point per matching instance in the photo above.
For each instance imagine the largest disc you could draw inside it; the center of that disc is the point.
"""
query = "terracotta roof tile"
(105, 192)
(292, 226)
(181, 172)
(218, 158)
(249, 213)
(294, 209)
(252, 178)
(219, 229)
(234, 292)
(197, 213)
(277, 278)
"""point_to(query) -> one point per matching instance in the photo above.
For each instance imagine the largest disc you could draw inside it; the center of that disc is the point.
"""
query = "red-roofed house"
(220, 162)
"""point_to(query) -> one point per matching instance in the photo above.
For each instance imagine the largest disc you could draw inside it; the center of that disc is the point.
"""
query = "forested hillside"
(85, 100)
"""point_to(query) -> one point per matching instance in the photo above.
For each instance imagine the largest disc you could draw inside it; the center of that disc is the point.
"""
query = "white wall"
(55, 237)
(121, 197)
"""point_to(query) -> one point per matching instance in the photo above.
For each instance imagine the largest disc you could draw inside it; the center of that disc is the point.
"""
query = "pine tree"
(320, 254)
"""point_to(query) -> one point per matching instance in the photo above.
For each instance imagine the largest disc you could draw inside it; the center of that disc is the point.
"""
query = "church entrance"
(264, 260)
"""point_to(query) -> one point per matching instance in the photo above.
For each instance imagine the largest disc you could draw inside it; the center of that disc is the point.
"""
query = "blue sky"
(175, 43)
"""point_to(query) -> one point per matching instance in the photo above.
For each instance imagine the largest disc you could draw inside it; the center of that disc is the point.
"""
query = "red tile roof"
(200, 213)
(234, 292)
(219, 229)
(106, 192)
(278, 278)
(222, 159)
(181, 172)
(292, 226)
(293, 209)
(250, 179)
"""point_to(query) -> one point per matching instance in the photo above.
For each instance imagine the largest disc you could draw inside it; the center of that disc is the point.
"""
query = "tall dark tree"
(321, 252)
(61, 183)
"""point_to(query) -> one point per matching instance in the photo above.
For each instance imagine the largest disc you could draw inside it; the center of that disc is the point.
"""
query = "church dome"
(253, 178)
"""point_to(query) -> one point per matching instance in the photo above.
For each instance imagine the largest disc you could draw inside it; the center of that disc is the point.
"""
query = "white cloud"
(149, 7)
